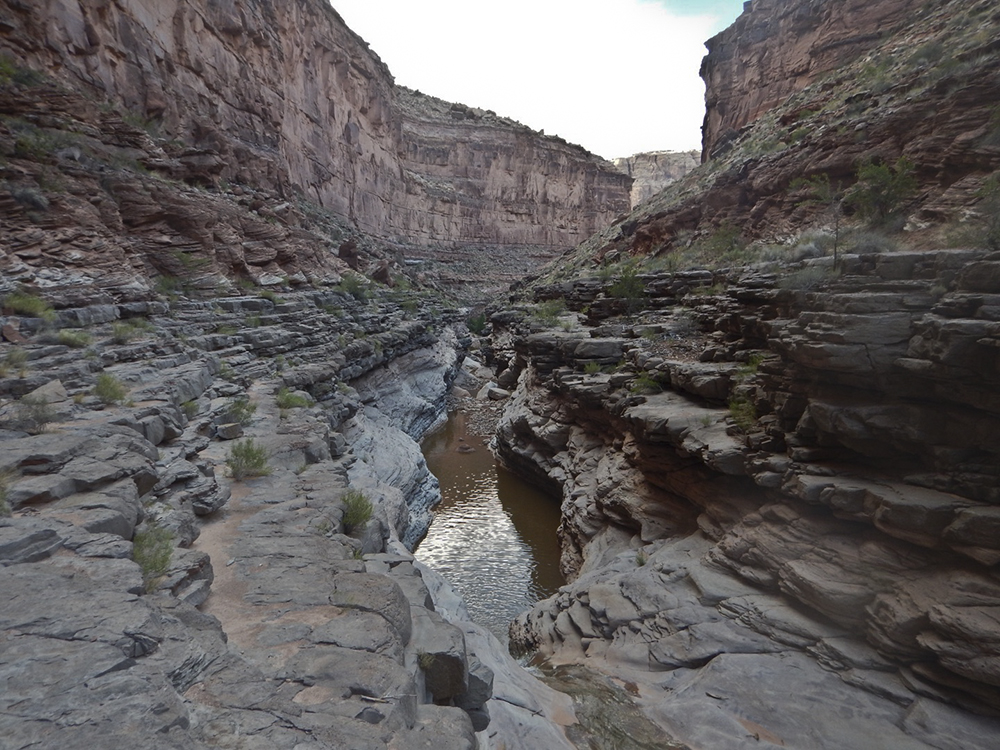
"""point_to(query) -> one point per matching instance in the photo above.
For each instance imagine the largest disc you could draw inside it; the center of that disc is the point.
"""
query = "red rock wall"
(283, 95)
(778, 47)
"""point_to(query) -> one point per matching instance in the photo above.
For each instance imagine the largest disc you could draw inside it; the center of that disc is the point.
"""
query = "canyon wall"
(652, 171)
(779, 495)
(283, 96)
(776, 48)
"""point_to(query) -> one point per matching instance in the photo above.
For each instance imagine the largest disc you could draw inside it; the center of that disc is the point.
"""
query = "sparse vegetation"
(352, 284)
(74, 339)
(270, 296)
(31, 414)
(882, 190)
(5, 479)
(287, 399)
(743, 413)
(629, 288)
(109, 389)
(357, 510)
(247, 459)
(23, 302)
(827, 196)
(190, 409)
(152, 548)
(593, 368)
(15, 360)
(241, 410)
(645, 383)
(12, 73)
(477, 324)
(641, 558)
(548, 312)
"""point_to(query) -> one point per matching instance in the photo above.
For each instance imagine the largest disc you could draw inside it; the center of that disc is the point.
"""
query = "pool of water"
(493, 536)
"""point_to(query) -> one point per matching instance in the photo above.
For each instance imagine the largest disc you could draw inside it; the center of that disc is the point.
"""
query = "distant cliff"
(654, 170)
(283, 96)
(776, 48)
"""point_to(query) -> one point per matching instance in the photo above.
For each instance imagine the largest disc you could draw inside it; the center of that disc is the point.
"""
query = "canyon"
(237, 262)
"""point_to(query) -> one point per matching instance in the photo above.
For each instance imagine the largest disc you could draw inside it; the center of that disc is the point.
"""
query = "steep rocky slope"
(775, 477)
(284, 97)
(923, 87)
(654, 170)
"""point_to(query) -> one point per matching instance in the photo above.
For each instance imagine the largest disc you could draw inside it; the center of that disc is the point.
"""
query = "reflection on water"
(493, 536)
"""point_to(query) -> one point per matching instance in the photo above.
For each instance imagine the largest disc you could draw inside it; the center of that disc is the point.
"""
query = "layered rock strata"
(778, 488)
(652, 171)
(184, 606)
(826, 95)
(284, 97)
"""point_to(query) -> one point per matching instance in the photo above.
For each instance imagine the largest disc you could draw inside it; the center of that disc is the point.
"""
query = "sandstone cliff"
(284, 97)
(922, 86)
(654, 170)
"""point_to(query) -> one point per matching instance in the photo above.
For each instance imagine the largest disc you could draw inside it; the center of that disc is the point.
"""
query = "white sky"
(615, 76)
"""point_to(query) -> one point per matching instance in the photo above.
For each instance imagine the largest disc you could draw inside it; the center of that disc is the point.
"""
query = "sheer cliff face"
(654, 170)
(776, 48)
(283, 95)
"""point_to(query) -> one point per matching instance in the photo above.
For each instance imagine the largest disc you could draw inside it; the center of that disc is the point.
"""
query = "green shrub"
(74, 339)
(645, 383)
(629, 287)
(247, 459)
(477, 324)
(23, 302)
(5, 478)
(16, 360)
(241, 410)
(548, 312)
(593, 368)
(357, 510)
(190, 409)
(109, 389)
(12, 73)
(743, 412)
(351, 284)
(270, 296)
(286, 399)
(124, 331)
(881, 190)
(152, 548)
(31, 415)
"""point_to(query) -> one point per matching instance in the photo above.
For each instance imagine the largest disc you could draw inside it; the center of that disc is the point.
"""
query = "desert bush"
(351, 284)
(5, 479)
(23, 302)
(881, 190)
(645, 383)
(247, 459)
(241, 410)
(74, 339)
(477, 324)
(629, 288)
(357, 510)
(152, 548)
(286, 399)
(743, 413)
(548, 312)
(31, 414)
(109, 389)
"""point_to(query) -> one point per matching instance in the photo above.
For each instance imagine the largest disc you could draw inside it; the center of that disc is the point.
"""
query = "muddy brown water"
(493, 536)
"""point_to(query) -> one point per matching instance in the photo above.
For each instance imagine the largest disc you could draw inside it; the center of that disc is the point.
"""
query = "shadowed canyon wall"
(284, 96)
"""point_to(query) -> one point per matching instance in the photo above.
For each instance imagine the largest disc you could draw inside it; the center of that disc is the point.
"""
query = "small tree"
(829, 197)
(882, 189)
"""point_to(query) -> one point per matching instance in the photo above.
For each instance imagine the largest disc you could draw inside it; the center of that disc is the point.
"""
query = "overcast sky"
(616, 76)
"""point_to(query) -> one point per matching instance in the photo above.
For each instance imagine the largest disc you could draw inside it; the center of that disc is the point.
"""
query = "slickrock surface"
(284, 97)
(783, 533)
(270, 622)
